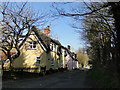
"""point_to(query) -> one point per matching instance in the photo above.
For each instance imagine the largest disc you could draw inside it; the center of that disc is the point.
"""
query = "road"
(68, 79)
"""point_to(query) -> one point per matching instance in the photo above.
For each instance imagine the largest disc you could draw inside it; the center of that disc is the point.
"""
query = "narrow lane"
(69, 79)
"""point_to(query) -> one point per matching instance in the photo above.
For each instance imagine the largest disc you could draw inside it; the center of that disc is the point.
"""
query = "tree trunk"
(116, 15)
(9, 57)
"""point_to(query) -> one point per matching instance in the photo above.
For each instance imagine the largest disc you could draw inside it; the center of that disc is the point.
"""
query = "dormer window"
(54, 48)
(65, 53)
(32, 45)
(51, 46)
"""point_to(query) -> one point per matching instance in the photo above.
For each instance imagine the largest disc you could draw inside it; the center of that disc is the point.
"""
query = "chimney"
(47, 31)
(68, 47)
(75, 56)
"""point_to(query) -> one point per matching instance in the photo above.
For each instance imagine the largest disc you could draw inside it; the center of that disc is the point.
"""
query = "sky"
(61, 27)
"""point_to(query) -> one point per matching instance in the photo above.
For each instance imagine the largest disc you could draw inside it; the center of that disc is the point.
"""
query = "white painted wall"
(69, 62)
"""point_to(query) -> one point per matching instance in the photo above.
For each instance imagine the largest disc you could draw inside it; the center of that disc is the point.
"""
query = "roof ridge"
(39, 31)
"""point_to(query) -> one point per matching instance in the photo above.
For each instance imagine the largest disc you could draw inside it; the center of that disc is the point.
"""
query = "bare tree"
(17, 21)
(95, 9)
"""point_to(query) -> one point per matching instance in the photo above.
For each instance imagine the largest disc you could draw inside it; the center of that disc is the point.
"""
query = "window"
(54, 48)
(52, 61)
(59, 50)
(38, 60)
(51, 46)
(32, 45)
(63, 51)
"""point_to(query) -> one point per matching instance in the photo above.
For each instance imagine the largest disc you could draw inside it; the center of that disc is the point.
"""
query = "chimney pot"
(47, 27)
(47, 31)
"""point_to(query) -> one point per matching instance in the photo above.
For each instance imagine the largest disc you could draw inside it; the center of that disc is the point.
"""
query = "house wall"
(59, 60)
(69, 62)
(49, 61)
(64, 61)
(27, 58)
(63, 58)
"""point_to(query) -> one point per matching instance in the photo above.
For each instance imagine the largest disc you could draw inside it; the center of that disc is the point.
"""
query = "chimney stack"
(47, 31)
(68, 47)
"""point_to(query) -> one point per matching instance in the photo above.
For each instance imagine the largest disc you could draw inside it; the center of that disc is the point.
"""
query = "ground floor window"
(52, 61)
(38, 60)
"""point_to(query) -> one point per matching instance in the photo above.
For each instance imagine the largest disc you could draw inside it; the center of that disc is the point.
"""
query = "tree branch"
(95, 10)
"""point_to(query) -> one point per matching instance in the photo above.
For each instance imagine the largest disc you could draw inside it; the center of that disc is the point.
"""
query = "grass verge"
(104, 78)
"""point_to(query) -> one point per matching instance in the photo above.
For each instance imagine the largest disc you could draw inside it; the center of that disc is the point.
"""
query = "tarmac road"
(68, 79)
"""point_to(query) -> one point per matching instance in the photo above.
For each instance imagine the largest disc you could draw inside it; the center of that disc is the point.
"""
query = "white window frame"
(63, 51)
(32, 44)
(51, 46)
(37, 60)
(54, 47)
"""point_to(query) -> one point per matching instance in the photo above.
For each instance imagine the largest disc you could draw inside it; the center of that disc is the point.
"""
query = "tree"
(17, 21)
(102, 33)
(82, 58)
(115, 10)
(103, 15)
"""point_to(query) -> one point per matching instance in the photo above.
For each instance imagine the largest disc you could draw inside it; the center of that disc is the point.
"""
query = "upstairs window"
(63, 51)
(51, 46)
(32, 45)
(54, 48)
(37, 60)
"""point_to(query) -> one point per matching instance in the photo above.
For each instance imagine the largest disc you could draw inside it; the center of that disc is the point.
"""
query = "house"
(43, 53)
(70, 58)
(67, 57)
(75, 61)
(38, 51)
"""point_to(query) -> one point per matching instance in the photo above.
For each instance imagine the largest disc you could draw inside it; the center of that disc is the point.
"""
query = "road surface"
(68, 79)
